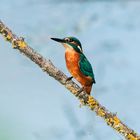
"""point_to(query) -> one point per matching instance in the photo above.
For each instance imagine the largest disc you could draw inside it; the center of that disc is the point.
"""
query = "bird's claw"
(68, 79)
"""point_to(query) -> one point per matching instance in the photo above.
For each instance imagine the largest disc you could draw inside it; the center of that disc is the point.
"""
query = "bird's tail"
(87, 89)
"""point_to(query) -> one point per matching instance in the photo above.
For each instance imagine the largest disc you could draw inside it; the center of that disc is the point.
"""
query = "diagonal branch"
(47, 66)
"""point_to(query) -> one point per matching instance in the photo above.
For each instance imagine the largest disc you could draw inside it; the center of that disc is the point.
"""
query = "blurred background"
(33, 106)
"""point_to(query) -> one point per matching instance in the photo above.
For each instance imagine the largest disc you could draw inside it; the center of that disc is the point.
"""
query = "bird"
(77, 63)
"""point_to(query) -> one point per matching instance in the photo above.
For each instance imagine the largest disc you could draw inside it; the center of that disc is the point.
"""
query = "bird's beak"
(58, 40)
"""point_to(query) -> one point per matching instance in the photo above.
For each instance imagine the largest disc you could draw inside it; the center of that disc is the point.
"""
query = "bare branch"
(47, 66)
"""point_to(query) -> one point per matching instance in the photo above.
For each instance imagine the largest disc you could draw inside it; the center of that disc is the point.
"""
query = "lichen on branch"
(47, 66)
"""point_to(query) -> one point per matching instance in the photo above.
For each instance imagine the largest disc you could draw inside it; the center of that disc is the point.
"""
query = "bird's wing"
(86, 67)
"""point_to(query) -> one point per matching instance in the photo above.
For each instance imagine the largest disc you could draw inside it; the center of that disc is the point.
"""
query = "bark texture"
(47, 66)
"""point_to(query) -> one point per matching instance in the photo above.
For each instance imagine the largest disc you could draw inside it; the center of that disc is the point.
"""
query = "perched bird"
(77, 63)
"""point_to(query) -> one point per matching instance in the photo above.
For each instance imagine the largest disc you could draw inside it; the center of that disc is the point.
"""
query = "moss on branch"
(111, 119)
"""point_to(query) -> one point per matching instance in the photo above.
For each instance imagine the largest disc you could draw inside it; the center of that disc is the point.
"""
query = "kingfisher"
(77, 63)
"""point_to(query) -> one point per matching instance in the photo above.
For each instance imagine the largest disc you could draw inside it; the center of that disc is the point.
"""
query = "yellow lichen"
(91, 102)
(8, 37)
(116, 120)
(101, 112)
(110, 119)
(131, 137)
(21, 44)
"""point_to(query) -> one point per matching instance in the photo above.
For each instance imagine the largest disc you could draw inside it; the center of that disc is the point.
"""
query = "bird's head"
(70, 43)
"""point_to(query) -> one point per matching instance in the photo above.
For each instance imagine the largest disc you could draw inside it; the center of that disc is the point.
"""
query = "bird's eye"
(68, 40)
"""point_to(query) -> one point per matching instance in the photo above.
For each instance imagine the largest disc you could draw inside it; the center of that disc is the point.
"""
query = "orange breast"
(72, 62)
(72, 59)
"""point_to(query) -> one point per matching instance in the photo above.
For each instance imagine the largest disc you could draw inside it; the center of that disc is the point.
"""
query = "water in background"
(30, 106)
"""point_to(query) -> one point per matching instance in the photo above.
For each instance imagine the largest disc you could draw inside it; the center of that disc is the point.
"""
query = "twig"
(46, 65)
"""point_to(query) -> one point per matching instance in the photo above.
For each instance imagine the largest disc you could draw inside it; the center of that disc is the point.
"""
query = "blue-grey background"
(33, 106)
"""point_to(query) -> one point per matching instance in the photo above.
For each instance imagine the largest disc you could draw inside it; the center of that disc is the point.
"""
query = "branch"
(47, 66)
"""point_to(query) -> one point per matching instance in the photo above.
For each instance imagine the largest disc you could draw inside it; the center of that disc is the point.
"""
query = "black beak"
(58, 40)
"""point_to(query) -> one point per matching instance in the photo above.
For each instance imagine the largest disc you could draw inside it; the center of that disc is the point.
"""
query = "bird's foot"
(68, 79)
(77, 94)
